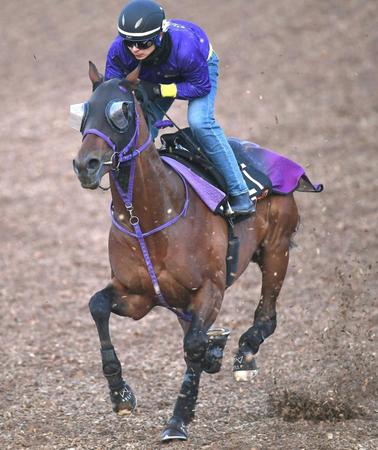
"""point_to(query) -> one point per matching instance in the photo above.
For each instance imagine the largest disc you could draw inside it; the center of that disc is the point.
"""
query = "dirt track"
(297, 76)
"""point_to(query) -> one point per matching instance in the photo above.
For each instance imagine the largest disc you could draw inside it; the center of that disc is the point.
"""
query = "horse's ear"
(94, 75)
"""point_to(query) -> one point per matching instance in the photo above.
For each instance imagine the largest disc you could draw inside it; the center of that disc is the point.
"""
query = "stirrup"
(230, 212)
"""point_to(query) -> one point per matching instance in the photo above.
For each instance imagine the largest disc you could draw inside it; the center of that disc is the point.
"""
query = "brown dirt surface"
(298, 76)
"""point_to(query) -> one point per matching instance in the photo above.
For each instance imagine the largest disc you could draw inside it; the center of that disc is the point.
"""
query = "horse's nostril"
(93, 164)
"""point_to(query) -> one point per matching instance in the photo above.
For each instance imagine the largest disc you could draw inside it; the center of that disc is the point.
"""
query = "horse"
(180, 261)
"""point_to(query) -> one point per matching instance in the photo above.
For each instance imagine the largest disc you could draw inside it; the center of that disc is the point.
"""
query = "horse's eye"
(78, 115)
(116, 113)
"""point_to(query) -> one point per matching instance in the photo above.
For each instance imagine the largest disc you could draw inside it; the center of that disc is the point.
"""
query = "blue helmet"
(141, 20)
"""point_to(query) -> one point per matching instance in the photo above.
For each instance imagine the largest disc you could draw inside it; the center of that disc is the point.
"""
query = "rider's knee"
(199, 124)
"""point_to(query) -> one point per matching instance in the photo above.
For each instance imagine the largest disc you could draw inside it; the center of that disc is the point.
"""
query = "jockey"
(178, 62)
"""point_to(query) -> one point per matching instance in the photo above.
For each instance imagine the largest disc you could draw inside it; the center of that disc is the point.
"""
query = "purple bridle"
(129, 154)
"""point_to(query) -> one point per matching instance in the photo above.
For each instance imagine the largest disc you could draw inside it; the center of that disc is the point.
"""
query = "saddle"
(184, 148)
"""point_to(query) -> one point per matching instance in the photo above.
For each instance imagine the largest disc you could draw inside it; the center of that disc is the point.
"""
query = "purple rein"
(126, 155)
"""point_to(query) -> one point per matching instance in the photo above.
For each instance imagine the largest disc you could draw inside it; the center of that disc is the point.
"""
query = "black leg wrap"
(245, 367)
(122, 397)
(256, 335)
(214, 351)
(112, 369)
(195, 344)
(186, 402)
(99, 304)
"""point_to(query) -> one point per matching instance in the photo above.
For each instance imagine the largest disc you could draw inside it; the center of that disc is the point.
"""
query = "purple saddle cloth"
(284, 174)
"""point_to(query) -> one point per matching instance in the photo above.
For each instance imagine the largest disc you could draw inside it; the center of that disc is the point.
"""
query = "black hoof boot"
(217, 339)
(123, 400)
(175, 430)
(245, 368)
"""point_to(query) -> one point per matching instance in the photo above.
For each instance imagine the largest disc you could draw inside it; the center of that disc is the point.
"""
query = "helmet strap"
(161, 53)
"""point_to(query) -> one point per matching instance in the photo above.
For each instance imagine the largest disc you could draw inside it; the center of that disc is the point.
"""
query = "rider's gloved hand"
(151, 90)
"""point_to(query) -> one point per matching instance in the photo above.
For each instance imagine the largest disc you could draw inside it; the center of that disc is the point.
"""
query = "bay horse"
(181, 266)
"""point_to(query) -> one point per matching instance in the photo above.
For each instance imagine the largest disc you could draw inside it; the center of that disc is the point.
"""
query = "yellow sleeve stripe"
(168, 90)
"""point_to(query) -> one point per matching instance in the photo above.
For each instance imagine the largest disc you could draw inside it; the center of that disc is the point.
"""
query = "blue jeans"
(209, 134)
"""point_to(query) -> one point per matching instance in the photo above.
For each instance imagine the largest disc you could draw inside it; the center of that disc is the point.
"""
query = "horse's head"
(107, 122)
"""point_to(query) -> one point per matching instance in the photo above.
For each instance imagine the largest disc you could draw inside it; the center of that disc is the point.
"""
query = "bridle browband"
(128, 155)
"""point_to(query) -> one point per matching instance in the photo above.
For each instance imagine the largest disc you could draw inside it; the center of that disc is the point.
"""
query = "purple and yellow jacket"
(184, 75)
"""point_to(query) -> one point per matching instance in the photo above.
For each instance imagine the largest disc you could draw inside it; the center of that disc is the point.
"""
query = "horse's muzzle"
(89, 172)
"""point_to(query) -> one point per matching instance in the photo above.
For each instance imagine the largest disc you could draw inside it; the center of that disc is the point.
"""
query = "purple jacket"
(186, 65)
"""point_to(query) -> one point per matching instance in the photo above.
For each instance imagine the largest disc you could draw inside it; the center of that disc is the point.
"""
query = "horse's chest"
(180, 267)
(140, 279)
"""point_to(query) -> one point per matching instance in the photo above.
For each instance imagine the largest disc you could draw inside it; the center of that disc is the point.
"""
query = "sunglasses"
(139, 44)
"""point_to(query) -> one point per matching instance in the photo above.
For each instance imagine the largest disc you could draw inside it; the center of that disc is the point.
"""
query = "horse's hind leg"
(122, 397)
(273, 261)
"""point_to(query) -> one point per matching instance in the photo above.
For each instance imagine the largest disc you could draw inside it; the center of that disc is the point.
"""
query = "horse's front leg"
(204, 309)
(121, 395)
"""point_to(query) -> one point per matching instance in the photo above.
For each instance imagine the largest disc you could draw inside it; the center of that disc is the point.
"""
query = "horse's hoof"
(123, 401)
(245, 375)
(175, 430)
(245, 368)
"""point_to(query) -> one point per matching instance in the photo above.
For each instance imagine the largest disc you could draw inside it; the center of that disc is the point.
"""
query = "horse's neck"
(158, 195)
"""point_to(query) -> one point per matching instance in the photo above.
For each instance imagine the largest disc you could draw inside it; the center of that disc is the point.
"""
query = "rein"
(127, 154)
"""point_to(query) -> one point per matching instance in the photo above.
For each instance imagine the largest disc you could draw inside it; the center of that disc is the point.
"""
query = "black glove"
(148, 90)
